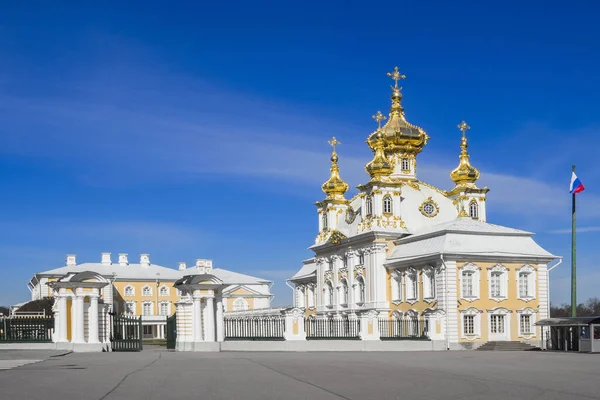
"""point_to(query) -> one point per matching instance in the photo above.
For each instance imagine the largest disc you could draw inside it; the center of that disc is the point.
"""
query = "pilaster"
(448, 299)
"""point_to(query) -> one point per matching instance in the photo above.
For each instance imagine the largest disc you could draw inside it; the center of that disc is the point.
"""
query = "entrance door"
(498, 327)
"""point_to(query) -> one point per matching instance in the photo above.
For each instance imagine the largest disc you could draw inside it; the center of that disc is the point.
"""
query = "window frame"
(147, 291)
(531, 282)
(150, 305)
(501, 272)
(130, 305)
(168, 308)
(165, 289)
(240, 300)
(474, 313)
(396, 287)
(411, 280)
(428, 283)
(405, 164)
(129, 288)
(474, 209)
(475, 283)
(388, 205)
(368, 206)
(344, 295)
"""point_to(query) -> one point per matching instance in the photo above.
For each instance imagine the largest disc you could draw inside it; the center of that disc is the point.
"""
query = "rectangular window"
(469, 324)
(147, 308)
(164, 308)
(130, 308)
(523, 284)
(467, 284)
(495, 285)
(411, 286)
(525, 322)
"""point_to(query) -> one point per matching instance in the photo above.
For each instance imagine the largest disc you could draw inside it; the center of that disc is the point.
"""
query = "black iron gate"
(171, 331)
(126, 333)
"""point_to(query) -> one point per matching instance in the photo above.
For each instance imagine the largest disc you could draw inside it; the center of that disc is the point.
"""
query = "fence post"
(294, 325)
(369, 325)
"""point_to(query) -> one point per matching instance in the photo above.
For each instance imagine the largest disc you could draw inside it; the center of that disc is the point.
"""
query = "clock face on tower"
(350, 215)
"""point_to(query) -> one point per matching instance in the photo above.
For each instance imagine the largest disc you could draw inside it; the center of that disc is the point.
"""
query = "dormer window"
(369, 206)
(387, 204)
(405, 165)
(473, 209)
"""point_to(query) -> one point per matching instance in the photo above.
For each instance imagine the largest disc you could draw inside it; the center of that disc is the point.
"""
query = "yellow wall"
(484, 303)
(420, 305)
(119, 293)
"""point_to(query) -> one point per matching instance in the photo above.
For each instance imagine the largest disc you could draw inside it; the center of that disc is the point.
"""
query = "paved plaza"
(158, 374)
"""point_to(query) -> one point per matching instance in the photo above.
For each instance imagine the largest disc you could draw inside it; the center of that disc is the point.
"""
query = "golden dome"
(334, 187)
(399, 136)
(465, 174)
(379, 165)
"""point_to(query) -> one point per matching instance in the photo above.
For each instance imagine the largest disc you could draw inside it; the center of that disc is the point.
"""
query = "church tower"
(331, 208)
(468, 198)
(401, 140)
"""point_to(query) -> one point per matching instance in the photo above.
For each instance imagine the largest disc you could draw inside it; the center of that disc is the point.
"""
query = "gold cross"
(396, 76)
(463, 127)
(333, 142)
(379, 117)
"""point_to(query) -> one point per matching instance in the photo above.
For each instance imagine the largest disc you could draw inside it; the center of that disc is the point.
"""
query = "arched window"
(324, 218)
(240, 304)
(473, 209)
(311, 296)
(344, 292)
(360, 290)
(129, 291)
(396, 282)
(164, 291)
(412, 285)
(328, 294)
(428, 283)
(387, 204)
(405, 165)
(369, 205)
(147, 291)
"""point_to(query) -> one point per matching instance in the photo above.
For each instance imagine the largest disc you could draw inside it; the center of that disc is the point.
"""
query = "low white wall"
(334, 345)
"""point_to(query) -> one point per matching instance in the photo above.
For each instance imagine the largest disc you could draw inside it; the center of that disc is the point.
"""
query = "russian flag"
(576, 185)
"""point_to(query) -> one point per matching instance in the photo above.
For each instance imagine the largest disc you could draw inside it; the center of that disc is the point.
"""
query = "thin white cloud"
(583, 229)
(117, 133)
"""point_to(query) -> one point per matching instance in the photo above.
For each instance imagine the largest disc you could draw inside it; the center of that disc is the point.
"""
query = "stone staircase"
(507, 346)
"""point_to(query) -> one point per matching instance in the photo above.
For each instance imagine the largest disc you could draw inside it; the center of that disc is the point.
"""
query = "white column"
(62, 318)
(210, 319)
(79, 332)
(197, 319)
(93, 320)
(351, 256)
(220, 322)
(378, 277)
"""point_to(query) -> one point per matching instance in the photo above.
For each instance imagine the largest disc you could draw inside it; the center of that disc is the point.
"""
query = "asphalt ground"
(159, 374)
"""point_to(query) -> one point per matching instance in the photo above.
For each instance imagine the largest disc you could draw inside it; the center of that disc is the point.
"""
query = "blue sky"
(200, 131)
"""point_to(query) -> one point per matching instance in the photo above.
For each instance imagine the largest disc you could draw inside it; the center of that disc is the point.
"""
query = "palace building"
(141, 289)
(402, 249)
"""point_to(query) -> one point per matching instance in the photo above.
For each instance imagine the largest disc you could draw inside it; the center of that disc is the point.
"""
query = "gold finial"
(379, 117)
(335, 187)
(396, 76)
(465, 174)
(333, 142)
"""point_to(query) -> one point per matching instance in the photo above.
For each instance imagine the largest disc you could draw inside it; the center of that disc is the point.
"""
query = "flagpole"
(573, 259)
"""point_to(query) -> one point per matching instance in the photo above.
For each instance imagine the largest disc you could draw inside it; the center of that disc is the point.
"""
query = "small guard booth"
(571, 334)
